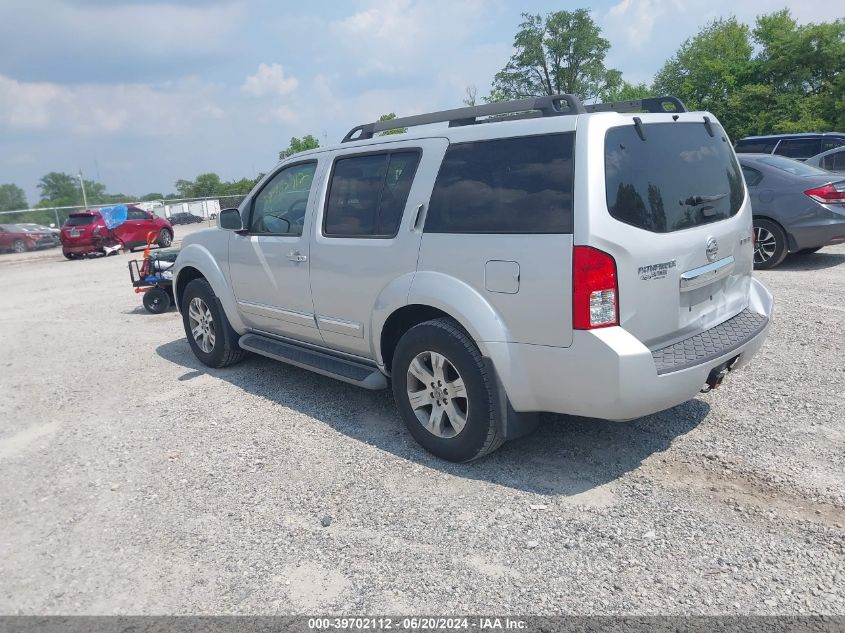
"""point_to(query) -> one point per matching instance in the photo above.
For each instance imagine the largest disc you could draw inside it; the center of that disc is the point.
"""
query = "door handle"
(296, 256)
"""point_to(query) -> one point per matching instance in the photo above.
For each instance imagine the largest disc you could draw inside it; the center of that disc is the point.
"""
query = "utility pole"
(82, 184)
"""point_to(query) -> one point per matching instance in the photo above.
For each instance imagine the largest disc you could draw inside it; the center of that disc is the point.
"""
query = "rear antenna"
(638, 124)
(708, 126)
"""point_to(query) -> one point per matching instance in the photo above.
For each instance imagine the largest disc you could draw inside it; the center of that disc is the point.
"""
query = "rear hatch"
(677, 221)
(79, 227)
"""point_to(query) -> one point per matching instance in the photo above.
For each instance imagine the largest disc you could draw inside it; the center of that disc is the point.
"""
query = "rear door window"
(513, 185)
(800, 148)
(677, 178)
(368, 194)
(752, 176)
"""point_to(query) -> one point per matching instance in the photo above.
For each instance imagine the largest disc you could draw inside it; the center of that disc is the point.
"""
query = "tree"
(561, 53)
(389, 117)
(151, 196)
(59, 190)
(709, 67)
(12, 198)
(794, 83)
(471, 97)
(299, 145)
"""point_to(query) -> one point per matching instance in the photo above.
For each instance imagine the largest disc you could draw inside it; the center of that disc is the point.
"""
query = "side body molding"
(199, 257)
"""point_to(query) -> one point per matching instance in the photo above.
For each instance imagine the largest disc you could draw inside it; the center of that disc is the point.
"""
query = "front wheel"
(19, 246)
(443, 392)
(770, 247)
(165, 238)
(211, 337)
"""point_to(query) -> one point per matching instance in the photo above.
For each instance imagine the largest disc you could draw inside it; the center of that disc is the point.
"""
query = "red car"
(19, 239)
(85, 232)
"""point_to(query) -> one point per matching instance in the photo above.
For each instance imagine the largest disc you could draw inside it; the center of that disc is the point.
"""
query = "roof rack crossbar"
(656, 105)
(546, 106)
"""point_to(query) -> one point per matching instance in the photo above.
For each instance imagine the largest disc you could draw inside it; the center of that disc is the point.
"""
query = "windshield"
(80, 220)
(677, 177)
(794, 167)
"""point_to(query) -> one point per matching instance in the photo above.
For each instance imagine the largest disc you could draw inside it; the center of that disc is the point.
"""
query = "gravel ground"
(136, 481)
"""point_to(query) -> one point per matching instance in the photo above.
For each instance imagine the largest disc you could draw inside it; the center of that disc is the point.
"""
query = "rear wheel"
(69, 255)
(770, 247)
(165, 238)
(443, 392)
(211, 337)
(19, 246)
(156, 300)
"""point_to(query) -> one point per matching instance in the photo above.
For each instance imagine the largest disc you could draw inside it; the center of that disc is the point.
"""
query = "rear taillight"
(595, 292)
(828, 194)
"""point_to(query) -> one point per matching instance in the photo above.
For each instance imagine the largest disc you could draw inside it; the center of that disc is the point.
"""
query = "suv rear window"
(756, 145)
(514, 185)
(677, 178)
(80, 220)
(799, 147)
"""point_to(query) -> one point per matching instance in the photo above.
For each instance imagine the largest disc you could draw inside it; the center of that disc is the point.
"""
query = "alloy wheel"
(765, 245)
(202, 325)
(437, 394)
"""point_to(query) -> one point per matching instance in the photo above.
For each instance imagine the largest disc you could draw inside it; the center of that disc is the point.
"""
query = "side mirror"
(230, 219)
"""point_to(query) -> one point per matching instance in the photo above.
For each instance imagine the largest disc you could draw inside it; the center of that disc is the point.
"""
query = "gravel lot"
(136, 481)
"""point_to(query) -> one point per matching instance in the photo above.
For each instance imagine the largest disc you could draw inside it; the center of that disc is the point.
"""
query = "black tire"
(480, 435)
(70, 256)
(165, 238)
(770, 246)
(809, 251)
(225, 350)
(156, 300)
(19, 246)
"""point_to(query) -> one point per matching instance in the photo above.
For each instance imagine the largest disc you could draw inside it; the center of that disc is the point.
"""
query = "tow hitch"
(717, 375)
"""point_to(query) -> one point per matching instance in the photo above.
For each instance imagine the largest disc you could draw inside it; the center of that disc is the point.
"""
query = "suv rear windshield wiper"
(694, 201)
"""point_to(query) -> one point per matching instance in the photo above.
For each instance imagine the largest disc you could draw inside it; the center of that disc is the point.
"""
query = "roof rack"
(649, 104)
(552, 105)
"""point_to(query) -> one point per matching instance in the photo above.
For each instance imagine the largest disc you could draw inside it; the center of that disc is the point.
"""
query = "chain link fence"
(178, 210)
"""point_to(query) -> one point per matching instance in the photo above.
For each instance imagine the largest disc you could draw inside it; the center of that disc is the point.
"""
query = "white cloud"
(105, 109)
(269, 80)
(634, 20)
(397, 36)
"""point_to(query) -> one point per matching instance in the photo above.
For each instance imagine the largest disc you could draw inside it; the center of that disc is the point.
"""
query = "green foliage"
(561, 53)
(12, 198)
(299, 145)
(389, 117)
(151, 196)
(794, 83)
(624, 91)
(209, 185)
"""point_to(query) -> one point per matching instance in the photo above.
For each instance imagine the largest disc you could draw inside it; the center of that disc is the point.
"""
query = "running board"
(360, 374)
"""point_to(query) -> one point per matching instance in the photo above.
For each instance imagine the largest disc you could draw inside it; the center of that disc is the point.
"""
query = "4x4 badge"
(712, 249)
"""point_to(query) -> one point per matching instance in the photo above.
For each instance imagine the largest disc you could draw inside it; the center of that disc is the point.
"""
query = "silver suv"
(533, 255)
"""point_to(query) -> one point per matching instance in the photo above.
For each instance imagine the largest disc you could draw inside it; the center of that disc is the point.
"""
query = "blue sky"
(140, 93)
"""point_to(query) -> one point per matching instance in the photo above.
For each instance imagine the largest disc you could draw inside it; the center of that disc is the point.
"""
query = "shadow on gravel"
(566, 456)
(811, 261)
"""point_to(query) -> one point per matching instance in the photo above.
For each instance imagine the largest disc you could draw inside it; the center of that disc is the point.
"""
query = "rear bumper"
(819, 232)
(78, 248)
(609, 374)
